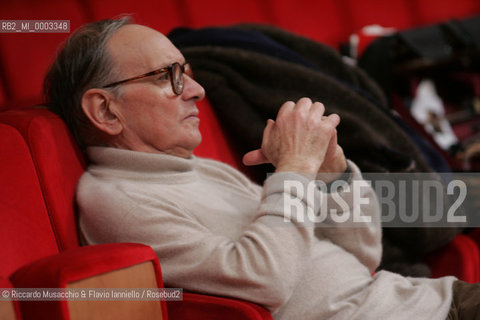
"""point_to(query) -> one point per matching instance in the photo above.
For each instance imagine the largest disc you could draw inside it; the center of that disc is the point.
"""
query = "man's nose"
(192, 89)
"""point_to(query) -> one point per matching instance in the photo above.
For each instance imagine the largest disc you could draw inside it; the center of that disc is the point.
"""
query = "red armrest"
(199, 307)
(59, 270)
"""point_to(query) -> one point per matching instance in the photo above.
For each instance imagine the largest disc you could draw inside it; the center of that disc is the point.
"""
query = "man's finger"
(317, 110)
(285, 109)
(268, 129)
(254, 158)
(332, 145)
(304, 104)
(257, 157)
(334, 119)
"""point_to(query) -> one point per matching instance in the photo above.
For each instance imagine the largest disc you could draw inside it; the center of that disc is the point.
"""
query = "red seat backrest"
(58, 163)
(25, 229)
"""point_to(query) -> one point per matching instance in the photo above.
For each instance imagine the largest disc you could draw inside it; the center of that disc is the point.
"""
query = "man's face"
(154, 118)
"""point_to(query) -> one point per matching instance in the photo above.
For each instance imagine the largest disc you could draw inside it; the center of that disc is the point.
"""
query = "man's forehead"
(140, 45)
(134, 31)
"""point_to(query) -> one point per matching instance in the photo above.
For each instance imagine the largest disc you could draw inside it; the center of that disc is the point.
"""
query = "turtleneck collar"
(140, 165)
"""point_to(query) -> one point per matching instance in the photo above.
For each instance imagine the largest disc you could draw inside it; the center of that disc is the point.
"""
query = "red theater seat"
(393, 13)
(121, 266)
(26, 57)
(220, 12)
(32, 238)
(432, 11)
(199, 307)
(318, 20)
(58, 164)
(161, 15)
(25, 226)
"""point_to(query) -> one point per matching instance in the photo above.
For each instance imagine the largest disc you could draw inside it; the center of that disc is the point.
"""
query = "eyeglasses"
(175, 72)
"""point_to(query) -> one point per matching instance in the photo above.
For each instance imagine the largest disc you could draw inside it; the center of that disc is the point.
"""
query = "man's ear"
(97, 106)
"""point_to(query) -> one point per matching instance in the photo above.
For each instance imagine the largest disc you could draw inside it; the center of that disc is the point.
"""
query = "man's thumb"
(254, 157)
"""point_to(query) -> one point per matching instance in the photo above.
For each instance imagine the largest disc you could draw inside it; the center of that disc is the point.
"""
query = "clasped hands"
(301, 140)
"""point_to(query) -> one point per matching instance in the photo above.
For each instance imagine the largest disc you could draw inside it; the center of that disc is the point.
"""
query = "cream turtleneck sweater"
(215, 232)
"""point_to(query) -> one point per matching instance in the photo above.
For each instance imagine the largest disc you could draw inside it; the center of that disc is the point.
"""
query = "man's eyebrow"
(164, 65)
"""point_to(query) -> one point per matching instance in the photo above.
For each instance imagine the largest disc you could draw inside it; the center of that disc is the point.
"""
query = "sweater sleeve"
(263, 265)
(352, 220)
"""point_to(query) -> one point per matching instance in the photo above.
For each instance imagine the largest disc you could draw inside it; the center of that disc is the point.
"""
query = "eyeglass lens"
(177, 78)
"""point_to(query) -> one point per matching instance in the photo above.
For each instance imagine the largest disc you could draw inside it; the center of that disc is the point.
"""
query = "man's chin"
(195, 139)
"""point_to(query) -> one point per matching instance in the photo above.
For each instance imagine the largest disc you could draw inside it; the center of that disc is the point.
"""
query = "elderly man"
(129, 97)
